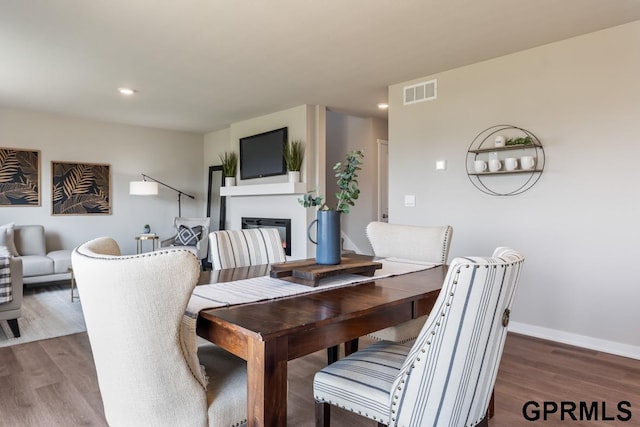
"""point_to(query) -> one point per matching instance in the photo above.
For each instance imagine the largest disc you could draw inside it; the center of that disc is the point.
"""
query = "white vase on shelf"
(229, 181)
(294, 176)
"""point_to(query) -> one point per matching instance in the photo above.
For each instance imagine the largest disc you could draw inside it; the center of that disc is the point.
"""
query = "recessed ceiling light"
(383, 106)
(126, 91)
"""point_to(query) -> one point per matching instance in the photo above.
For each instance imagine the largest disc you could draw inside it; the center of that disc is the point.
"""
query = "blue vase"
(327, 237)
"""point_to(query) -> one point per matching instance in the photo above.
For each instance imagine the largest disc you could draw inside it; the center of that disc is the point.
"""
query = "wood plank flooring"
(53, 383)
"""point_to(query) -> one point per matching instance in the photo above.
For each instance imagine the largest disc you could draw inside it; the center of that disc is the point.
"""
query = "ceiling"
(199, 65)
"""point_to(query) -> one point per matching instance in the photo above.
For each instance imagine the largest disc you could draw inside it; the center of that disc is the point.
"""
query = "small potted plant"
(229, 167)
(328, 219)
(293, 156)
(525, 140)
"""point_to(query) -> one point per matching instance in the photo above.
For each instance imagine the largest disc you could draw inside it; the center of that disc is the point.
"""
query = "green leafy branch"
(347, 174)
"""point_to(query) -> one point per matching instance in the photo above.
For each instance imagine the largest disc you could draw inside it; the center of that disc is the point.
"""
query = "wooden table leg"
(267, 383)
(332, 354)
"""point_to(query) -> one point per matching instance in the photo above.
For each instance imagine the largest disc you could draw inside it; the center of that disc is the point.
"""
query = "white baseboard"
(591, 343)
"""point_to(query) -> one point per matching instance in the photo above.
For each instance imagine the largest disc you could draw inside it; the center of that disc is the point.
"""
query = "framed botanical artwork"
(80, 188)
(19, 177)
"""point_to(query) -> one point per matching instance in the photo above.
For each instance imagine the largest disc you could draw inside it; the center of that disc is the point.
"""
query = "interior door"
(383, 180)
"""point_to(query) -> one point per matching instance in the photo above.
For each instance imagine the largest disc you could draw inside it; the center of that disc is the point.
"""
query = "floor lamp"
(150, 188)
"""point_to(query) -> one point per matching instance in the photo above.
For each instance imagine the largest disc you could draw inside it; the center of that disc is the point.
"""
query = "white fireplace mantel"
(264, 189)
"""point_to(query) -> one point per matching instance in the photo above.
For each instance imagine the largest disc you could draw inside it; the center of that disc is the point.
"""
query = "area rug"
(47, 312)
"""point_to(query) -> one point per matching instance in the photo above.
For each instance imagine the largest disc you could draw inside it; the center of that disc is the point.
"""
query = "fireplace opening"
(281, 224)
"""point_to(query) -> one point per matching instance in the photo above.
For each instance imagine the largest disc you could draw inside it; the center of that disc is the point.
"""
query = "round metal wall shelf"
(504, 182)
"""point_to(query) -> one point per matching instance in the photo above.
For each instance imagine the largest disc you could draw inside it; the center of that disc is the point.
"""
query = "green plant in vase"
(328, 219)
(229, 167)
(346, 173)
(229, 163)
(293, 157)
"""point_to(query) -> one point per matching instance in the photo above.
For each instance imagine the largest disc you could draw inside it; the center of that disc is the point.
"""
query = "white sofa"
(38, 265)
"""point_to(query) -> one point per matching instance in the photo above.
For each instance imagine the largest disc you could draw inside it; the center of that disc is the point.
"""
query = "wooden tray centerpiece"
(307, 272)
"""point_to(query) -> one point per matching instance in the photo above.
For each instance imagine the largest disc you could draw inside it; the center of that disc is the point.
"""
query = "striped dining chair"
(446, 378)
(246, 247)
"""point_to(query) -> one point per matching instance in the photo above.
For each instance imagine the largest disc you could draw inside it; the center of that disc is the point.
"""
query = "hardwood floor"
(53, 383)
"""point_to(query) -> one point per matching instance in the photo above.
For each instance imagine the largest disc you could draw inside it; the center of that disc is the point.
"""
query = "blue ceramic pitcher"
(327, 236)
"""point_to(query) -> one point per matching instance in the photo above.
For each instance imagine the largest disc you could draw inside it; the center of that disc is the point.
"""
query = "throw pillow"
(188, 236)
(4, 252)
(6, 238)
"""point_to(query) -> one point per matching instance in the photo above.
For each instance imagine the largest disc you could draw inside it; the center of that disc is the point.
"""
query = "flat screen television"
(262, 155)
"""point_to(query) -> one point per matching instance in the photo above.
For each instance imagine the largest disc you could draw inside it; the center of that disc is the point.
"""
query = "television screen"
(262, 155)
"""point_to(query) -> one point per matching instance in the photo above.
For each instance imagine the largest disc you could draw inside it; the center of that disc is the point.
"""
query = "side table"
(74, 295)
(142, 237)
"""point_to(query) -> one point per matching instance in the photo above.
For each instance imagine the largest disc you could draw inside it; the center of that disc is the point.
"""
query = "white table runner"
(265, 288)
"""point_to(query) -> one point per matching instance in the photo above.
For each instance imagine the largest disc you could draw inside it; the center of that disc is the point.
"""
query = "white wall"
(578, 226)
(304, 122)
(346, 133)
(174, 158)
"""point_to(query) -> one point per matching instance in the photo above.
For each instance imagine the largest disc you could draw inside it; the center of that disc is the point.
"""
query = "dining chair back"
(410, 243)
(148, 365)
(446, 378)
(242, 248)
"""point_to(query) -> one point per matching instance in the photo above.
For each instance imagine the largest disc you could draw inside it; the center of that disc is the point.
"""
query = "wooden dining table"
(268, 334)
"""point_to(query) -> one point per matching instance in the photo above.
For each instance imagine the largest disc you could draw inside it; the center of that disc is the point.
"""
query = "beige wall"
(578, 227)
(172, 157)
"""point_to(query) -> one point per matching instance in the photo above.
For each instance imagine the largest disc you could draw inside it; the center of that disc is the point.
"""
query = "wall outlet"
(441, 165)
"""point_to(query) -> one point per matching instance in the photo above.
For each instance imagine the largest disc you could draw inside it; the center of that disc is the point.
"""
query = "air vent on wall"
(425, 91)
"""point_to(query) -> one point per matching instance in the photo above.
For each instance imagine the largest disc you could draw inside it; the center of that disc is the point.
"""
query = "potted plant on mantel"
(328, 219)
(293, 156)
(229, 167)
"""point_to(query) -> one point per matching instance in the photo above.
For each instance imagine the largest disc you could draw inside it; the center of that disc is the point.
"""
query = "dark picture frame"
(80, 188)
(19, 177)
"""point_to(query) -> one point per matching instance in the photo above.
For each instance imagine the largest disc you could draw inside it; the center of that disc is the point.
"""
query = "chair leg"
(492, 404)
(332, 354)
(323, 414)
(350, 347)
(15, 328)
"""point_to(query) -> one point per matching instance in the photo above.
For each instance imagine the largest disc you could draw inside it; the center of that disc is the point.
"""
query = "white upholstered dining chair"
(410, 243)
(150, 370)
(242, 248)
(446, 378)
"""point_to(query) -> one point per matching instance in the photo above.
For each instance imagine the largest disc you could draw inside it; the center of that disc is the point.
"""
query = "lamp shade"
(143, 188)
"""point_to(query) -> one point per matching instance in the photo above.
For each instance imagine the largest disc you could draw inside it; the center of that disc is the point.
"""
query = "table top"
(302, 312)
(146, 236)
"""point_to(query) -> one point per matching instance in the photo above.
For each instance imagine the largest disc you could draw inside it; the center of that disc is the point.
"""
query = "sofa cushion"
(188, 236)
(30, 240)
(61, 260)
(7, 239)
(36, 265)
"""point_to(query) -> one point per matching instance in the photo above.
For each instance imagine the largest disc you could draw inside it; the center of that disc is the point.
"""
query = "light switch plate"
(441, 165)
(409, 200)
